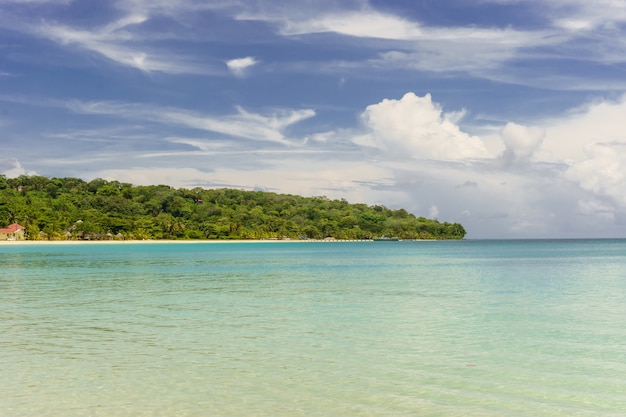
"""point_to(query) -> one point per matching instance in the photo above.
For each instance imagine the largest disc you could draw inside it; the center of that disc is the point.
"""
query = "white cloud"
(12, 168)
(543, 197)
(408, 44)
(174, 8)
(573, 30)
(129, 20)
(116, 45)
(202, 145)
(604, 172)
(580, 15)
(399, 42)
(478, 51)
(416, 127)
(35, 1)
(598, 209)
(433, 212)
(240, 65)
(581, 158)
(568, 135)
(520, 142)
(367, 23)
(128, 40)
(242, 124)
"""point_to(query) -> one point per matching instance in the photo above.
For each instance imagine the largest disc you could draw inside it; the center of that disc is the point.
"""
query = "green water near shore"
(467, 328)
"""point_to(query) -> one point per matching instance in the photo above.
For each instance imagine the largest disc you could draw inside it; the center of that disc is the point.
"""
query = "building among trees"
(12, 232)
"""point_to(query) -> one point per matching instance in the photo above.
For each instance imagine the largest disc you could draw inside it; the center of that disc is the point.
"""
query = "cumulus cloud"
(416, 127)
(604, 172)
(568, 136)
(240, 65)
(12, 168)
(590, 144)
(520, 142)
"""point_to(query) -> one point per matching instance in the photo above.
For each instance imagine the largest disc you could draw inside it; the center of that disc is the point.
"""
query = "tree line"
(71, 208)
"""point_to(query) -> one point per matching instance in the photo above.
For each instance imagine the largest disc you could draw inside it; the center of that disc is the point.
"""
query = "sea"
(408, 328)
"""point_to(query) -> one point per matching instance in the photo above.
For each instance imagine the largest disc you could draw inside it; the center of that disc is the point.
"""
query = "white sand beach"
(122, 242)
(162, 241)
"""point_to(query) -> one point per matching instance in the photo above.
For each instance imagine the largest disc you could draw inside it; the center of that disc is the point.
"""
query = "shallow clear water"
(468, 328)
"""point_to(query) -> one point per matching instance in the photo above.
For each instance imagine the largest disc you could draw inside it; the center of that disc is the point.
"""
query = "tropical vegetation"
(71, 208)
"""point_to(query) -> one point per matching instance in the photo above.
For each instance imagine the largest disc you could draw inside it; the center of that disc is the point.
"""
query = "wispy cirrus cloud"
(175, 7)
(123, 36)
(59, 2)
(490, 52)
(117, 42)
(576, 30)
(271, 126)
(581, 15)
(399, 42)
(242, 124)
(357, 23)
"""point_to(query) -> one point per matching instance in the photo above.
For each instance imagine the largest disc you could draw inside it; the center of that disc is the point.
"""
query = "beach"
(148, 241)
(169, 241)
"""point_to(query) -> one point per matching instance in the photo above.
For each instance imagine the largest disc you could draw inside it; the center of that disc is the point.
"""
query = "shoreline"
(165, 241)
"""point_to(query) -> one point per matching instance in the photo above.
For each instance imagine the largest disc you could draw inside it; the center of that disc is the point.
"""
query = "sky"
(508, 116)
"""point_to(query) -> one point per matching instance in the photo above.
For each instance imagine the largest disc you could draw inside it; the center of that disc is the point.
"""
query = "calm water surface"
(468, 328)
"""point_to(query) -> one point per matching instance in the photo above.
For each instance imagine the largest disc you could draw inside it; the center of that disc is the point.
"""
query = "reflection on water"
(314, 329)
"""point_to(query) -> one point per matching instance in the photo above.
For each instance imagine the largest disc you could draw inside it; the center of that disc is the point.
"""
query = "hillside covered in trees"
(71, 208)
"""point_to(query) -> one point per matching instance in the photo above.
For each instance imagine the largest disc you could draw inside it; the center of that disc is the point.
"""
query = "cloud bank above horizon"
(481, 114)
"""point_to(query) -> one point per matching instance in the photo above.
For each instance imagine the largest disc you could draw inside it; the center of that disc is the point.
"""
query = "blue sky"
(508, 116)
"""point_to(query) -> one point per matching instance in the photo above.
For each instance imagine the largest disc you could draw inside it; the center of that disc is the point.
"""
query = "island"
(74, 209)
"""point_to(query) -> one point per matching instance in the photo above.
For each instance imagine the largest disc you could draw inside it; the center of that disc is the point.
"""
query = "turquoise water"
(467, 328)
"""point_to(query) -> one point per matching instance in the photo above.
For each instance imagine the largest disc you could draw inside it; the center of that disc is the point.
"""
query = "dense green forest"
(71, 208)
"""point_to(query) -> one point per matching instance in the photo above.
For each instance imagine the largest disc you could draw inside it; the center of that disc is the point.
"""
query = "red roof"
(12, 228)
